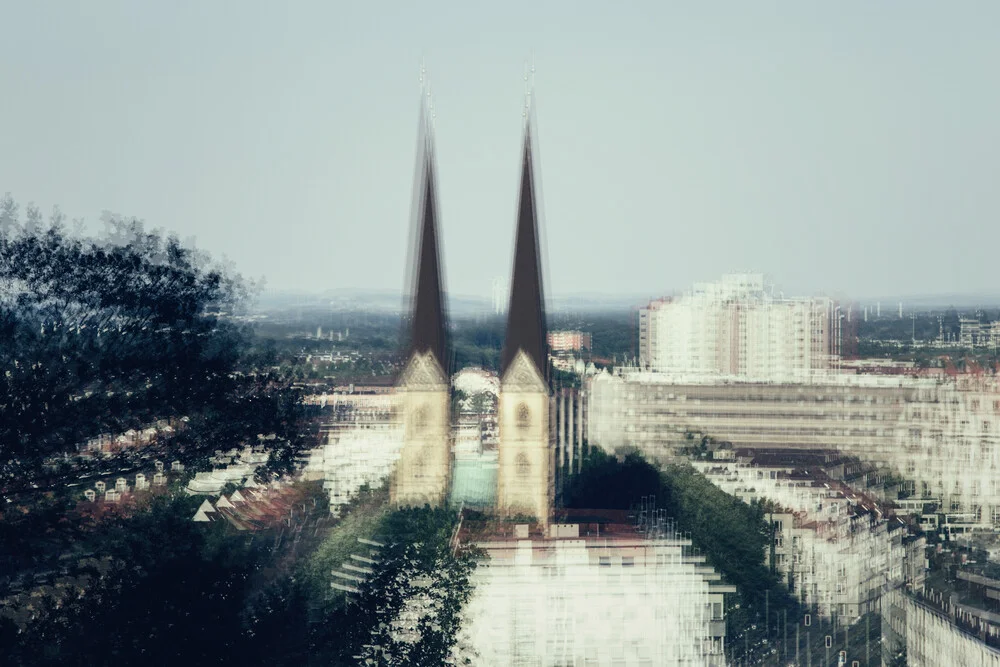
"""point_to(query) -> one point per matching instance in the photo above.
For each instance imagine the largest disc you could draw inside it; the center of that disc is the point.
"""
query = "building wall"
(932, 640)
(738, 327)
(943, 435)
(568, 341)
(839, 560)
(353, 457)
(576, 601)
(423, 473)
(525, 459)
(425, 460)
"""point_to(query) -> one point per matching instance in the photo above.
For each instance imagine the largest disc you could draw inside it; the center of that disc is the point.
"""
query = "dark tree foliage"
(101, 335)
(417, 559)
(172, 597)
(178, 592)
(608, 483)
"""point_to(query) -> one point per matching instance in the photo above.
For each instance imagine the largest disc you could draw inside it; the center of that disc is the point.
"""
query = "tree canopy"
(103, 333)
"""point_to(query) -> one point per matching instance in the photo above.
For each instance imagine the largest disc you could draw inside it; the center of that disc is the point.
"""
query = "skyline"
(674, 147)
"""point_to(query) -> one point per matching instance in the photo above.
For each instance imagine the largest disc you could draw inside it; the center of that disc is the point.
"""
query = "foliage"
(408, 612)
(606, 482)
(100, 335)
(417, 574)
(163, 601)
(361, 520)
(896, 658)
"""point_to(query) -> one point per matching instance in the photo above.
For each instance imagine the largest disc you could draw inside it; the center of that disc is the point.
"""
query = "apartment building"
(569, 341)
(739, 326)
(592, 590)
(839, 550)
(353, 457)
(942, 434)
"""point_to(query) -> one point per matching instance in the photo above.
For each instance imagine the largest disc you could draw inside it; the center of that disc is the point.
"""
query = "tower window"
(523, 465)
(419, 420)
(523, 416)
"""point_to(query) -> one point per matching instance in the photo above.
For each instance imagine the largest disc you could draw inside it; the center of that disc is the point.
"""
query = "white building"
(934, 638)
(501, 294)
(593, 594)
(355, 457)
(941, 434)
(837, 550)
(738, 326)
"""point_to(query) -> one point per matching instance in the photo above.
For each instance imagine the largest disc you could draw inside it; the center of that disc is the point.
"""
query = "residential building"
(942, 434)
(739, 326)
(938, 631)
(839, 550)
(357, 456)
(569, 341)
(591, 589)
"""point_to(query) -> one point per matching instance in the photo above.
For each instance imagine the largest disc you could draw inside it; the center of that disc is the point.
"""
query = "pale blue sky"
(849, 148)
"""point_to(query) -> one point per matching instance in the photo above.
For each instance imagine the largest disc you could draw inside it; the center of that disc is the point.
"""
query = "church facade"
(526, 456)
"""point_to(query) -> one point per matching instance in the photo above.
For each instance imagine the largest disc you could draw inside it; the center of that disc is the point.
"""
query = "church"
(556, 586)
(526, 458)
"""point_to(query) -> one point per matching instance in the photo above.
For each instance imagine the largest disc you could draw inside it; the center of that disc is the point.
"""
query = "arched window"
(419, 423)
(523, 416)
(523, 465)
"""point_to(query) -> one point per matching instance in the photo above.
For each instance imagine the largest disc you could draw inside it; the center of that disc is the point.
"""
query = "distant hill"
(392, 301)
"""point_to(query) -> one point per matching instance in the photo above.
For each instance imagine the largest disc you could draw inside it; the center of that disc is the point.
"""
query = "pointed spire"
(526, 314)
(428, 332)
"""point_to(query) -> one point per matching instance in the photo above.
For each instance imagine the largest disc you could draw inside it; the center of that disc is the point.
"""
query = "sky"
(849, 149)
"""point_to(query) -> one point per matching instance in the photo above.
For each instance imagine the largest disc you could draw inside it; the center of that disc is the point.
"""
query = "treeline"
(318, 625)
(100, 335)
(164, 590)
(181, 592)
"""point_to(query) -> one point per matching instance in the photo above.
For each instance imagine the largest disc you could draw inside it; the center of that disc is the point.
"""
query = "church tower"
(524, 480)
(423, 471)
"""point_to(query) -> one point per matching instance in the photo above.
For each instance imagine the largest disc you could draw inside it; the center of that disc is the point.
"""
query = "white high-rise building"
(738, 326)
(501, 293)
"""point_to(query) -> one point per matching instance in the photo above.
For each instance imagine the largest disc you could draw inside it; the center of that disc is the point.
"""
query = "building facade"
(738, 326)
(592, 593)
(941, 434)
(569, 341)
(838, 551)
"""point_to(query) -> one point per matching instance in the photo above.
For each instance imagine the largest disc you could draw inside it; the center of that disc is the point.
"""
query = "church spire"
(526, 314)
(428, 330)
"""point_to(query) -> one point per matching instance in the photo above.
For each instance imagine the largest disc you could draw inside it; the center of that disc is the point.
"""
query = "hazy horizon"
(848, 150)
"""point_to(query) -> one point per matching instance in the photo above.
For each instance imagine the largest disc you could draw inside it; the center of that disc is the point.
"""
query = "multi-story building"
(971, 332)
(738, 326)
(569, 341)
(942, 434)
(939, 631)
(500, 295)
(839, 550)
(353, 457)
(590, 590)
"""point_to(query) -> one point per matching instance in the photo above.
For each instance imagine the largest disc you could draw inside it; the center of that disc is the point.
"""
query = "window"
(523, 416)
(604, 561)
(523, 465)
(419, 420)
